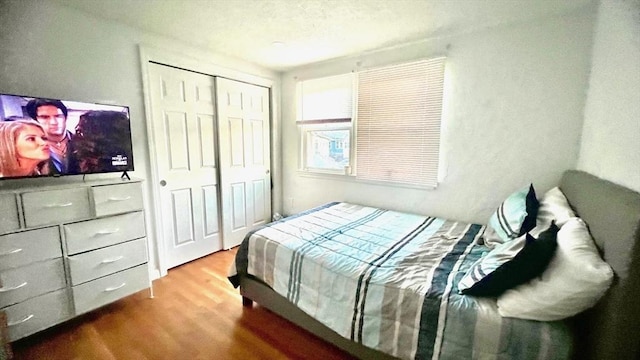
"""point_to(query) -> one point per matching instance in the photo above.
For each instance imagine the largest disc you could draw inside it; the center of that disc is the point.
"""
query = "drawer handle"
(14, 323)
(4, 289)
(58, 205)
(107, 231)
(10, 252)
(115, 288)
(119, 198)
(112, 260)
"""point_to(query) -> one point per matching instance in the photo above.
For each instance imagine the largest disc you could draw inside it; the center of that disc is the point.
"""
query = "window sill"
(327, 175)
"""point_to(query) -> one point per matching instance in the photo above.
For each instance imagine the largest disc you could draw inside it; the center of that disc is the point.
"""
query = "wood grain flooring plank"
(195, 314)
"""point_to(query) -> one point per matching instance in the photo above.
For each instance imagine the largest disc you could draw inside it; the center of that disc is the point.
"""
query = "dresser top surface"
(54, 183)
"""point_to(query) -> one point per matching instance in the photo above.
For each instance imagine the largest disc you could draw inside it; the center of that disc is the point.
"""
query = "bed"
(402, 274)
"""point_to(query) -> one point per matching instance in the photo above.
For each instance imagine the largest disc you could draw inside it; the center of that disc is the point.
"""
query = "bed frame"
(607, 331)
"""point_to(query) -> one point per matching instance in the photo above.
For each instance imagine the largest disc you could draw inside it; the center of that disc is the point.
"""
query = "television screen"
(52, 137)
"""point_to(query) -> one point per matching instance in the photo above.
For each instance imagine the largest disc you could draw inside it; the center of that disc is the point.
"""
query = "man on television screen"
(52, 115)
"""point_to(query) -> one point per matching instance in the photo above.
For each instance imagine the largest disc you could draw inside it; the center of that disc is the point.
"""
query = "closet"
(211, 152)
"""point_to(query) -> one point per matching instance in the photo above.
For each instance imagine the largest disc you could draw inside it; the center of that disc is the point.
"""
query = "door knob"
(163, 183)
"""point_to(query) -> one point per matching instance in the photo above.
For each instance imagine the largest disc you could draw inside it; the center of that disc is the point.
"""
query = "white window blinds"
(327, 100)
(398, 123)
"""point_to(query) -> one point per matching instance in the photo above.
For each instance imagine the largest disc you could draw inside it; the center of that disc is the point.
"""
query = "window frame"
(350, 173)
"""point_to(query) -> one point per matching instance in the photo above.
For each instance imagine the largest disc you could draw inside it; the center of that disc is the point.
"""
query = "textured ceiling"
(313, 30)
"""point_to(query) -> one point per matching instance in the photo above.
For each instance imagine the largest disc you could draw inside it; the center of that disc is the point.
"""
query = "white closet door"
(245, 179)
(184, 131)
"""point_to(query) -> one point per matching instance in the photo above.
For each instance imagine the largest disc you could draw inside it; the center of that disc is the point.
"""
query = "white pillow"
(575, 279)
(554, 206)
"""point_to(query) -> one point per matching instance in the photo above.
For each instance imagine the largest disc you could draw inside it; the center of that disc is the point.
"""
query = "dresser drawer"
(19, 249)
(96, 293)
(97, 263)
(29, 281)
(117, 199)
(8, 213)
(55, 206)
(98, 233)
(37, 314)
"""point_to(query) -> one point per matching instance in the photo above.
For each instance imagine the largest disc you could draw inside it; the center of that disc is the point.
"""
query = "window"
(397, 129)
(325, 116)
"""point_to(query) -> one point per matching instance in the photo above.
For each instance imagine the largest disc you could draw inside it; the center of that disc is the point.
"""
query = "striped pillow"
(510, 264)
(516, 215)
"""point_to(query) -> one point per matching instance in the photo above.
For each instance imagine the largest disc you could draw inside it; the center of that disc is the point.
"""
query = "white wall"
(47, 50)
(514, 114)
(611, 135)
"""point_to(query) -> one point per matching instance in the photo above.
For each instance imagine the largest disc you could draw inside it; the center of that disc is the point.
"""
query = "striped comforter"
(389, 280)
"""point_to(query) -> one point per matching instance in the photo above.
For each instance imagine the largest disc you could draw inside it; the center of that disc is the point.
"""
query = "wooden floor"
(196, 314)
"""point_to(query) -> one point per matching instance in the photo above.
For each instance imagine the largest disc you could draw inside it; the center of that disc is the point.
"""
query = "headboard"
(609, 330)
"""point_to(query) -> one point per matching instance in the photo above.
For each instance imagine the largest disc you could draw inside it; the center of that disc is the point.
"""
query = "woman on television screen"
(24, 150)
(102, 142)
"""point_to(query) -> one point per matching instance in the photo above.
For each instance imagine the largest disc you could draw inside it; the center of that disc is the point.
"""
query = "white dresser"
(68, 248)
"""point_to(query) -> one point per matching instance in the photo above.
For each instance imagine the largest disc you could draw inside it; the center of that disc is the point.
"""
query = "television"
(52, 137)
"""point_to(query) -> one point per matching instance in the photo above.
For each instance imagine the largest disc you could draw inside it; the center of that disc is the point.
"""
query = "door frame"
(196, 64)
